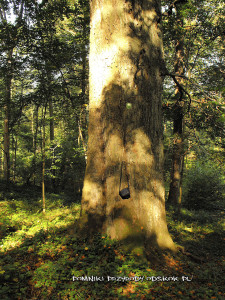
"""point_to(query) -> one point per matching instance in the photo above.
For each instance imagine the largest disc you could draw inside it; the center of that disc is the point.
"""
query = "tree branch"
(180, 87)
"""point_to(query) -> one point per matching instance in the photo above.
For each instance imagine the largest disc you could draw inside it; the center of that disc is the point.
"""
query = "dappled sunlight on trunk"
(125, 124)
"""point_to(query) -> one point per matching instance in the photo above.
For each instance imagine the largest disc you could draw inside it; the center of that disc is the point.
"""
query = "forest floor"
(41, 256)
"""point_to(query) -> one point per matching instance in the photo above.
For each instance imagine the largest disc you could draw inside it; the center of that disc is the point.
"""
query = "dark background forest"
(43, 136)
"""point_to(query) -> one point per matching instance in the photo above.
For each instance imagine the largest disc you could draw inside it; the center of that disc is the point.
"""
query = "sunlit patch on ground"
(41, 257)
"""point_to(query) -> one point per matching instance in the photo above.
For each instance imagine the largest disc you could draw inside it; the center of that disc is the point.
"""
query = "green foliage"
(49, 65)
(203, 186)
(199, 26)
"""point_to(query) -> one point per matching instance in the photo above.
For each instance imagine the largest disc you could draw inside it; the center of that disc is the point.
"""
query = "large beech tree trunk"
(125, 124)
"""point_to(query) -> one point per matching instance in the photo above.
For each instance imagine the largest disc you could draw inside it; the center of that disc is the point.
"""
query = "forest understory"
(41, 256)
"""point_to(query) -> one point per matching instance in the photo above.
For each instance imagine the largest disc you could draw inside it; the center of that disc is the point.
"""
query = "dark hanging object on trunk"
(124, 193)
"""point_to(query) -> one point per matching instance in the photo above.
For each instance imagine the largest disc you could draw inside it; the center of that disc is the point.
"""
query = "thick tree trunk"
(125, 123)
(175, 191)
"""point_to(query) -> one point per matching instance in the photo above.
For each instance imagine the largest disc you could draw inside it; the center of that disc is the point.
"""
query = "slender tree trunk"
(81, 128)
(52, 137)
(34, 126)
(2, 148)
(84, 69)
(125, 124)
(8, 83)
(43, 159)
(181, 181)
(83, 76)
(82, 118)
(2, 162)
(51, 115)
(14, 159)
(175, 191)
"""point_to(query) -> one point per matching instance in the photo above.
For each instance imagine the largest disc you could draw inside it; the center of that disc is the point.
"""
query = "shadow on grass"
(48, 260)
(54, 264)
(200, 232)
(42, 257)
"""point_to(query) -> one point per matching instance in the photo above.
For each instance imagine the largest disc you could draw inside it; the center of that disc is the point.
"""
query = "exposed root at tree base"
(192, 256)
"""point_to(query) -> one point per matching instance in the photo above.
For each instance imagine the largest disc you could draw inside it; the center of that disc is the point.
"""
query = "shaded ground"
(41, 257)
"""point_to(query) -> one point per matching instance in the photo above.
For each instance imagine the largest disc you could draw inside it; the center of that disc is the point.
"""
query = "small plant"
(203, 186)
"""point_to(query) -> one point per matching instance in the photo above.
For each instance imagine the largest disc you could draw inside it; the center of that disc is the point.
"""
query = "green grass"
(40, 255)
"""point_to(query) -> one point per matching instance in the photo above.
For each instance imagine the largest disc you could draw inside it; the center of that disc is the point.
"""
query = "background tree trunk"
(125, 123)
(51, 116)
(52, 137)
(34, 127)
(43, 160)
(14, 158)
(8, 83)
(175, 193)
